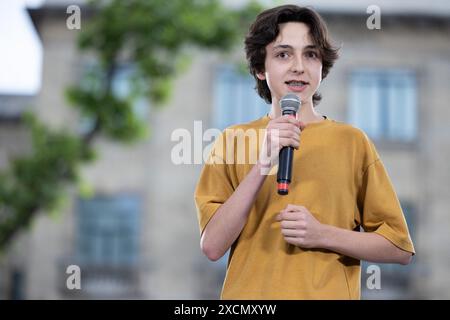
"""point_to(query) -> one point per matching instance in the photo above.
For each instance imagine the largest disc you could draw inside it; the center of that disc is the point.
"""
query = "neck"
(306, 114)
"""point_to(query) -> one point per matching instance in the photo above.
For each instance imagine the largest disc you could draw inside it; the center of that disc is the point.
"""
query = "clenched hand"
(300, 228)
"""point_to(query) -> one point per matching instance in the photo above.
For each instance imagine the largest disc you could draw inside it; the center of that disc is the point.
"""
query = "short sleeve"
(380, 208)
(214, 186)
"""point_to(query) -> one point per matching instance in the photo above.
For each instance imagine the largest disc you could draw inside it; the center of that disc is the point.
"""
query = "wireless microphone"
(289, 104)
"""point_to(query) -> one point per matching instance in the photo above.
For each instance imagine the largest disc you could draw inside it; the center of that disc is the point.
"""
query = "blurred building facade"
(138, 236)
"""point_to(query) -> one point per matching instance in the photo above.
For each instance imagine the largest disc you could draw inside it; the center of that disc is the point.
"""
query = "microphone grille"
(290, 102)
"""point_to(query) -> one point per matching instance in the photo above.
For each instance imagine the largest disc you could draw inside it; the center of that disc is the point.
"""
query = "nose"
(297, 65)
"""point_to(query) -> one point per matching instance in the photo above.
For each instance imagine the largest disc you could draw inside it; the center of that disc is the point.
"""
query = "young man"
(307, 244)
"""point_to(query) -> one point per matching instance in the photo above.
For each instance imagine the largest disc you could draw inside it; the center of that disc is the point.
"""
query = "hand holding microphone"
(289, 104)
(282, 132)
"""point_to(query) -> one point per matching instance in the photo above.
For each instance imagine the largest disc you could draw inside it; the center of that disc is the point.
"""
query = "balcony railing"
(101, 281)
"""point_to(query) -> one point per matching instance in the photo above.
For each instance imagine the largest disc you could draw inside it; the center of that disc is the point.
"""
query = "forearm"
(367, 246)
(229, 220)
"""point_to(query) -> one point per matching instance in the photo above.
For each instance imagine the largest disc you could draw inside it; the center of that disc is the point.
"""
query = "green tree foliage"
(153, 36)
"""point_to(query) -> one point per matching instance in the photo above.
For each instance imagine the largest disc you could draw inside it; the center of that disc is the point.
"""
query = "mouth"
(296, 85)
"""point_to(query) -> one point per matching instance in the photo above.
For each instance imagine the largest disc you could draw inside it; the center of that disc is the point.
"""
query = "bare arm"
(368, 246)
(299, 227)
(229, 220)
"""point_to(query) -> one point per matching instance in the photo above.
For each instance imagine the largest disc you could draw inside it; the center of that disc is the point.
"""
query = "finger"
(293, 120)
(286, 141)
(281, 141)
(286, 126)
(288, 118)
(289, 224)
(288, 133)
(289, 216)
(272, 132)
(289, 233)
(289, 142)
(291, 240)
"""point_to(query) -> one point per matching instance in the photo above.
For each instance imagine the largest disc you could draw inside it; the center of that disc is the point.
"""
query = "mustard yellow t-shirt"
(337, 175)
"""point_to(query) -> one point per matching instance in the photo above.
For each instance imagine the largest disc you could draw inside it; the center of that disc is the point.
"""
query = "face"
(292, 64)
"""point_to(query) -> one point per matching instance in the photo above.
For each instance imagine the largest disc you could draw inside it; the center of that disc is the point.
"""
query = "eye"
(282, 55)
(311, 54)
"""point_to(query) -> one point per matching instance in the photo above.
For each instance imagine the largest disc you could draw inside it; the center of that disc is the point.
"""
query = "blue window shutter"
(364, 104)
(383, 103)
(235, 99)
(108, 230)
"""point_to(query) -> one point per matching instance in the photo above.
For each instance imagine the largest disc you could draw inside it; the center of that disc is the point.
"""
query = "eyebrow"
(287, 46)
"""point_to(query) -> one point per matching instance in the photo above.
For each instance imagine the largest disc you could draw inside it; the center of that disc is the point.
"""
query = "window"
(235, 99)
(108, 230)
(383, 103)
(13, 106)
(17, 285)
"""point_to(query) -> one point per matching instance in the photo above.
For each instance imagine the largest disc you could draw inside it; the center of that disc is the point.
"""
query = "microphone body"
(289, 106)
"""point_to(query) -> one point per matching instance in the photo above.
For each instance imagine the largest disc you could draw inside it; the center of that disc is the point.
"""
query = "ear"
(261, 76)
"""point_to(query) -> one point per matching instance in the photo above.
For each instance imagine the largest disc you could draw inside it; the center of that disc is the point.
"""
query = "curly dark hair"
(265, 30)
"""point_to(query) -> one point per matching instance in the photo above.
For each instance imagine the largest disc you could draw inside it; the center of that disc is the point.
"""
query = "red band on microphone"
(283, 186)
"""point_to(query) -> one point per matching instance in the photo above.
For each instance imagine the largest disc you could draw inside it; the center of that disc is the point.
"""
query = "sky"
(20, 49)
